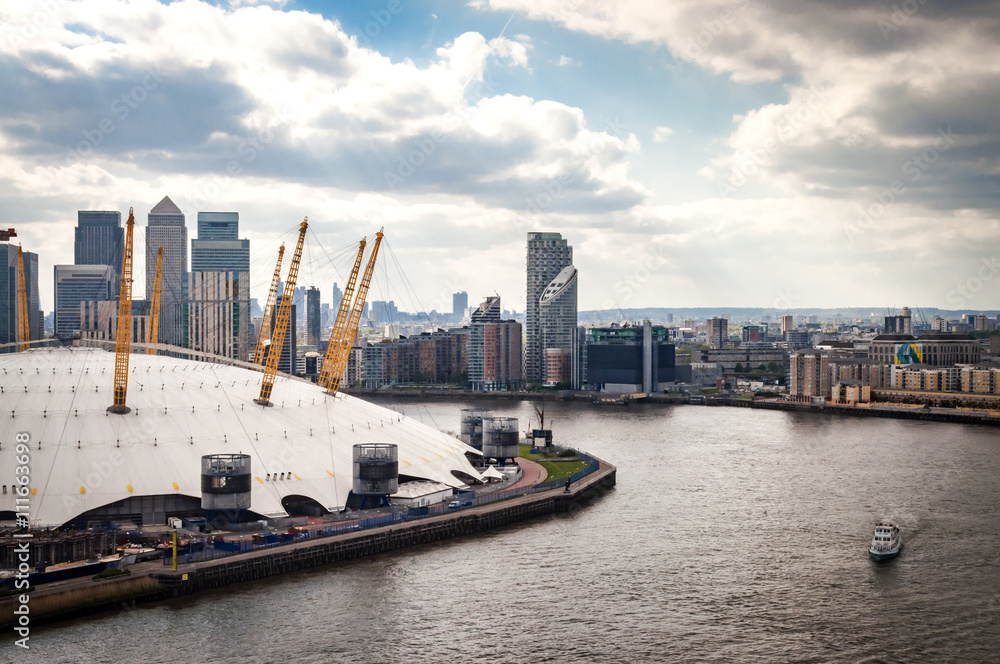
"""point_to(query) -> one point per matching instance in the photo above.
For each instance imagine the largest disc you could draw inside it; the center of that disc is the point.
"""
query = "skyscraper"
(74, 284)
(9, 269)
(312, 316)
(98, 240)
(557, 315)
(220, 271)
(338, 295)
(548, 254)
(718, 332)
(166, 229)
(287, 361)
(459, 304)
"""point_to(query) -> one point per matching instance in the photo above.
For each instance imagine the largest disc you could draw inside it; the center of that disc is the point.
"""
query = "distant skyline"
(772, 154)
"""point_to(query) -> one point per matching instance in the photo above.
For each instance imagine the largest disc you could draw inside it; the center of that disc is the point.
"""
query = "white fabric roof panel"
(181, 410)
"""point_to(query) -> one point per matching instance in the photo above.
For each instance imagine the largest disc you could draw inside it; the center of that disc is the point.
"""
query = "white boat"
(886, 542)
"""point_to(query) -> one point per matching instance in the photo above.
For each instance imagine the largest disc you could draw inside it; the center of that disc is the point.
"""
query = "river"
(733, 535)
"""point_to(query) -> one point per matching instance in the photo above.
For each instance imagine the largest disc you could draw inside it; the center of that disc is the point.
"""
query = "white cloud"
(661, 134)
(566, 61)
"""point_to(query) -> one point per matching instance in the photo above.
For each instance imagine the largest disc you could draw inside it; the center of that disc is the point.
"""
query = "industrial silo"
(500, 438)
(472, 426)
(376, 471)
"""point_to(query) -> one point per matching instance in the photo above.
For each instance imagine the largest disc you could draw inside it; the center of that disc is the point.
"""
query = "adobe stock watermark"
(898, 17)
(711, 29)
(913, 168)
(553, 188)
(249, 149)
(22, 511)
(650, 262)
(381, 18)
(121, 108)
(963, 293)
(424, 147)
(42, 14)
(751, 161)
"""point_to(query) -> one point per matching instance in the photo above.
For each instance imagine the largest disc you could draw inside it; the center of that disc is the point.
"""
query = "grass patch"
(108, 573)
(560, 470)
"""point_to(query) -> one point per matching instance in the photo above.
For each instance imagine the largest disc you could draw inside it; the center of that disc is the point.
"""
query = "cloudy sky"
(771, 153)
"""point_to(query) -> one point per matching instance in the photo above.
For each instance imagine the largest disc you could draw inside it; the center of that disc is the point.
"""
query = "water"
(734, 535)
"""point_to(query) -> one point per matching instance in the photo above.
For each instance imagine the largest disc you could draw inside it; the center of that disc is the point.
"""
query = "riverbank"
(154, 581)
(876, 409)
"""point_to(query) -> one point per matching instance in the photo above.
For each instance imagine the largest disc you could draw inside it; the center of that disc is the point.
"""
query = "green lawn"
(557, 470)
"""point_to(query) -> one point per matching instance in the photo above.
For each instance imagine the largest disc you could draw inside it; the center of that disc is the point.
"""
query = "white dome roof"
(83, 458)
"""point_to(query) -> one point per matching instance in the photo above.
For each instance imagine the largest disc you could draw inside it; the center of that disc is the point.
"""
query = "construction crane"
(154, 307)
(7, 234)
(281, 324)
(265, 323)
(340, 363)
(22, 303)
(337, 337)
(123, 339)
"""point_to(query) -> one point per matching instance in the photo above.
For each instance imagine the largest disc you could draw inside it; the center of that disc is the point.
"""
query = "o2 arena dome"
(87, 465)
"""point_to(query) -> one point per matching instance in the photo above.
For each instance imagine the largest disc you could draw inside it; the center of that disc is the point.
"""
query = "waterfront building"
(494, 349)
(718, 332)
(149, 459)
(934, 349)
(772, 359)
(558, 325)
(547, 255)
(166, 228)
(9, 271)
(851, 392)
(810, 375)
(98, 240)
(73, 284)
(631, 358)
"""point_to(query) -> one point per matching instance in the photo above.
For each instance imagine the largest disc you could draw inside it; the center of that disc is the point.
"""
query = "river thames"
(734, 535)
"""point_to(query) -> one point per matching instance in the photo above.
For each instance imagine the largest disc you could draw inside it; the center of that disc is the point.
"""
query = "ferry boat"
(886, 542)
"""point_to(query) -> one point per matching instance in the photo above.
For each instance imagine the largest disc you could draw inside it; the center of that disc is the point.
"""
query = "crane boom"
(265, 323)
(337, 372)
(281, 324)
(22, 303)
(123, 340)
(337, 336)
(154, 309)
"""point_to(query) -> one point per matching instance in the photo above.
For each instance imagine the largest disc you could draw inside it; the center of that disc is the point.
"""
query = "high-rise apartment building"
(9, 270)
(99, 240)
(547, 255)
(312, 316)
(558, 318)
(494, 349)
(718, 332)
(74, 284)
(166, 229)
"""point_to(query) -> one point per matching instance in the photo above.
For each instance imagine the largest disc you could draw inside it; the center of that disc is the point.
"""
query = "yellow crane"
(22, 303)
(154, 307)
(281, 324)
(344, 349)
(337, 338)
(265, 323)
(123, 339)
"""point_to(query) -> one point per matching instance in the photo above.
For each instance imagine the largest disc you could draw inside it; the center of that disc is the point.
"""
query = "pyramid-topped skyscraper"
(167, 229)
